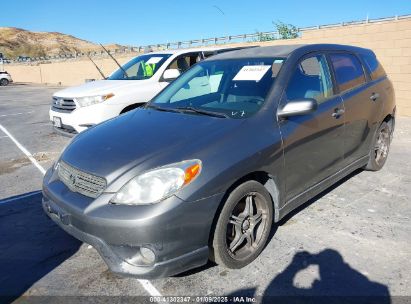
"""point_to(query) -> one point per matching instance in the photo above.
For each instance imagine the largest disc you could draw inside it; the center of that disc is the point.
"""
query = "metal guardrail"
(253, 37)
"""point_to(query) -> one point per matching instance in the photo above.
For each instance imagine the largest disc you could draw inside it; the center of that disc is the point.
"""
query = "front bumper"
(82, 118)
(177, 234)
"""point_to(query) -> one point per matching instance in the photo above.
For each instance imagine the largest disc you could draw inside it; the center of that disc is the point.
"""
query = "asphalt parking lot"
(354, 239)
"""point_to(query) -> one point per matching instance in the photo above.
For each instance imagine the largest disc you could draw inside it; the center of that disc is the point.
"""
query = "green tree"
(286, 31)
(263, 37)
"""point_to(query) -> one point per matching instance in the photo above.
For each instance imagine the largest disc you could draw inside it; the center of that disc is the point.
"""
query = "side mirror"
(297, 107)
(171, 74)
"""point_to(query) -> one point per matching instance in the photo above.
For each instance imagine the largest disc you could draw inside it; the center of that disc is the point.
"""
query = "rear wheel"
(380, 148)
(243, 226)
(4, 82)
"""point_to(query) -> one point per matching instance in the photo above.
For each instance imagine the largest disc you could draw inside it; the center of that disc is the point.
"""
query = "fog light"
(148, 255)
(135, 255)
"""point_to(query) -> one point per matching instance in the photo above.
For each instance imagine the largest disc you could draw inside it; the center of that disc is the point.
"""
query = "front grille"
(81, 182)
(63, 105)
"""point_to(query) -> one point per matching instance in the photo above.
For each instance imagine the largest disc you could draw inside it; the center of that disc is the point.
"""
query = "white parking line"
(150, 288)
(14, 114)
(144, 283)
(24, 150)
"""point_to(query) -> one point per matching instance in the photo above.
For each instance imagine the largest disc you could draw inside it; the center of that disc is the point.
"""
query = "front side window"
(348, 71)
(141, 67)
(236, 88)
(184, 62)
(311, 79)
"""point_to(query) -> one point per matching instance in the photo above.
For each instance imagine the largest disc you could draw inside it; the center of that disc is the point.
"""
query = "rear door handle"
(374, 96)
(338, 113)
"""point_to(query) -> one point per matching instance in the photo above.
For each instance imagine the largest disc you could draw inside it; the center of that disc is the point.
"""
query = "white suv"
(5, 78)
(75, 109)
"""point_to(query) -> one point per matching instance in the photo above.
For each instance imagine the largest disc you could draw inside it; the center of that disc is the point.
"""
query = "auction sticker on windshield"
(252, 72)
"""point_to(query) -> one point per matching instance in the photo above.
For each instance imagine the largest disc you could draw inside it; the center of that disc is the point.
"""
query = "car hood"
(99, 87)
(144, 138)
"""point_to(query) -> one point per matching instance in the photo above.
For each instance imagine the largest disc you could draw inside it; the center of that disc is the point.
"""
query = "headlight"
(91, 100)
(158, 184)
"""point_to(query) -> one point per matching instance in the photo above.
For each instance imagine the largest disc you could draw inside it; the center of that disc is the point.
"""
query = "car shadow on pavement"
(31, 245)
(318, 196)
(336, 282)
(18, 84)
(210, 264)
(294, 212)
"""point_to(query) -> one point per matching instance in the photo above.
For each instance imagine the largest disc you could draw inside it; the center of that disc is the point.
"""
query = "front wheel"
(4, 82)
(380, 148)
(243, 226)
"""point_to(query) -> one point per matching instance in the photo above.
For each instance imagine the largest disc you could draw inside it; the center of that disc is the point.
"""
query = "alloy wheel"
(382, 145)
(246, 226)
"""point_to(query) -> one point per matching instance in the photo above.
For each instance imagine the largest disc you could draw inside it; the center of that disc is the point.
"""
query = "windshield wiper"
(161, 108)
(204, 112)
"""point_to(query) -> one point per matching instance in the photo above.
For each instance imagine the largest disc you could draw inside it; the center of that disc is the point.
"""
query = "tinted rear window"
(348, 71)
(375, 68)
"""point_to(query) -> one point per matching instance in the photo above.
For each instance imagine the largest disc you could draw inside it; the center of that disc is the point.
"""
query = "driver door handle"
(374, 96)
(338, 113)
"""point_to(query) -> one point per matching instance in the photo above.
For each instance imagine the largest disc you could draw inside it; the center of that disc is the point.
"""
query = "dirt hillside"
(19, 42)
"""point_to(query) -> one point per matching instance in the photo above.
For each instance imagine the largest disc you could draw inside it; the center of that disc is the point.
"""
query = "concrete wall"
(67, 73)
(391, 41)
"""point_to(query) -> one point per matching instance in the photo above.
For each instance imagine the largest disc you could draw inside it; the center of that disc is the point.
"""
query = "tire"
(4, 82)
(238, 226)
(380, 147)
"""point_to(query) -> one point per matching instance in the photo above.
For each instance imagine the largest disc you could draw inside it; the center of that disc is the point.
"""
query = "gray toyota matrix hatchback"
(229, 148)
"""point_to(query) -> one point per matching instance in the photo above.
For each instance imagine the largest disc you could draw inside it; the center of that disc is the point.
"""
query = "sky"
(134, 22)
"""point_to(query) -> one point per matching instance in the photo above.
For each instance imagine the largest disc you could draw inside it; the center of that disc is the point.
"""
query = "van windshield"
(139, 68)
(235, 88)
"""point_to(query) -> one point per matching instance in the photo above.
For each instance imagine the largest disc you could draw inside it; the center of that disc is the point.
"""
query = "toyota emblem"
(72, 179)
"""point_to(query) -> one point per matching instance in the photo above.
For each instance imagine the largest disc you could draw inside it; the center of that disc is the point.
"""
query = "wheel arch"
(4, 79)
(390, 119)
(264, 178)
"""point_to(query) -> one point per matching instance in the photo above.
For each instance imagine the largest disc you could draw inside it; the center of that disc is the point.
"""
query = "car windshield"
(235, 88)
(141, 67)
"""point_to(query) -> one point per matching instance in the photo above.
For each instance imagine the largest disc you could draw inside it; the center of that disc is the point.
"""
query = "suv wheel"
(243, 226)
(4, 82)
(380, 148)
